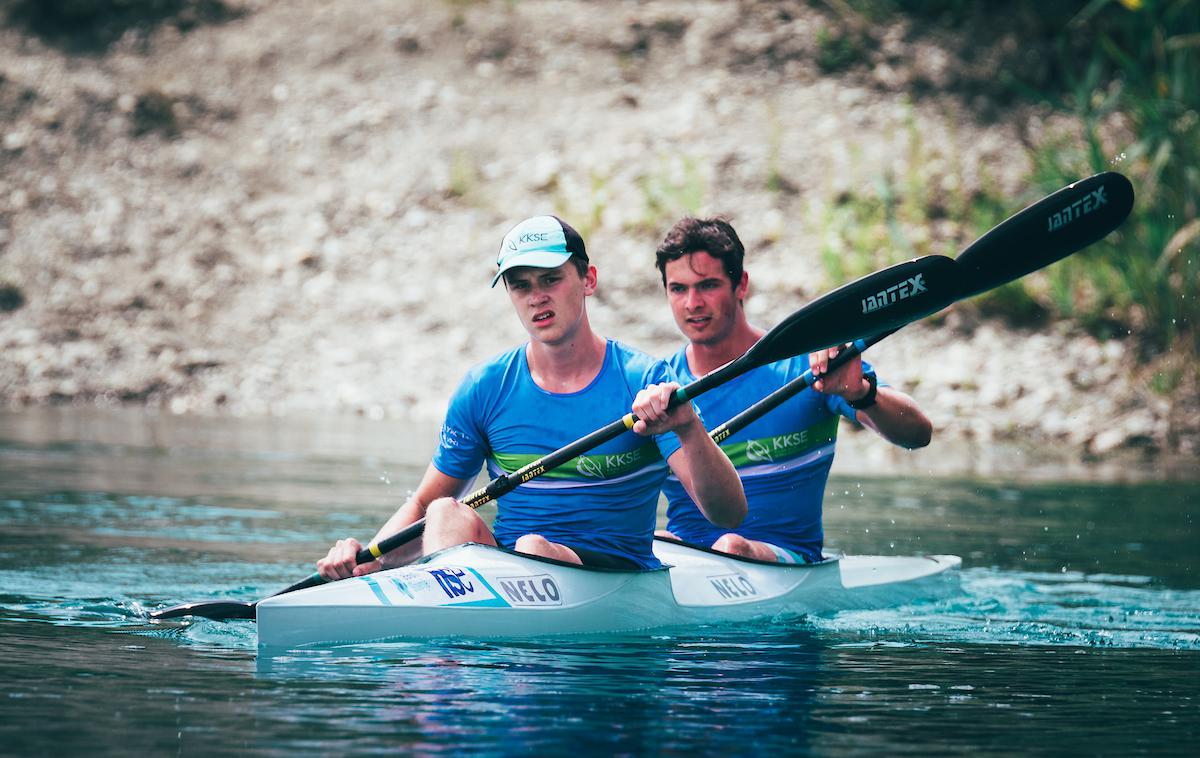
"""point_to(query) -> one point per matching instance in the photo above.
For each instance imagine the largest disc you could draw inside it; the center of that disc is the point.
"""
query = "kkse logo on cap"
(540, 242)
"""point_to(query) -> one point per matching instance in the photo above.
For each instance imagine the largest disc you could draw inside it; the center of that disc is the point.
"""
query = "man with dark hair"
(784, 457)
(567, 381)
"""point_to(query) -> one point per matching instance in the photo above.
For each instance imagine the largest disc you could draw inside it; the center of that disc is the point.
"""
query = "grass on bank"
(1135, 98)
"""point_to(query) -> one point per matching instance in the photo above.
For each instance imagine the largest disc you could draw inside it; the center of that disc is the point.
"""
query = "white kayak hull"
(483, 592)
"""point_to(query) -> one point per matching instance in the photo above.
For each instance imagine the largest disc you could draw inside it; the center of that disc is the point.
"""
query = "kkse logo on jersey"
(588, 467)
(758, 452)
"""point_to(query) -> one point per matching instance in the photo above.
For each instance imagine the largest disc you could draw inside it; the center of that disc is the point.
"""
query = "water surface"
(1077, 629)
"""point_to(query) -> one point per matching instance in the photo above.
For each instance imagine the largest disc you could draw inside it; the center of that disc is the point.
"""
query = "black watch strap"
(867, 400)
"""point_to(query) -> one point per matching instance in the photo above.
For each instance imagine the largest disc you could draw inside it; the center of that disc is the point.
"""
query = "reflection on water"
(1078, 628)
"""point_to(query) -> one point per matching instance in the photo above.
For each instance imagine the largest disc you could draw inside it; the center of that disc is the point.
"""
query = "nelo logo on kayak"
(897, 292)
(540, 589)
(733, 586)
(1077, 209)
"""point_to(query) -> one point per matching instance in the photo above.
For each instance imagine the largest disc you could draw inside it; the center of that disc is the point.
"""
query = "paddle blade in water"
(876, 303)
(218, 611)
(1049, 230)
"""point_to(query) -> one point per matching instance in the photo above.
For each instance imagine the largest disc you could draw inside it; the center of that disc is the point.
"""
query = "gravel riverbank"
(295, 210)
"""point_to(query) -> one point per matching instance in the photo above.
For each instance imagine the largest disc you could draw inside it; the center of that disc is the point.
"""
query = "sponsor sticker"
(899, 291)
(733, 586)
(1076, 210)
(538, 589)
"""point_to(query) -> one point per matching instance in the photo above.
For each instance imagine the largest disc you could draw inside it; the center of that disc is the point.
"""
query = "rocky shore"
(294, 210)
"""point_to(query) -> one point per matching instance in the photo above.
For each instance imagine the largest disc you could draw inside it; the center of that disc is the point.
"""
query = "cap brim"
(532, 259)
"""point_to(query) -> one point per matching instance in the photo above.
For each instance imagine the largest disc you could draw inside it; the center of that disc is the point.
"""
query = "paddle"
(1045, 232)
(1054, 227)
(877, 302)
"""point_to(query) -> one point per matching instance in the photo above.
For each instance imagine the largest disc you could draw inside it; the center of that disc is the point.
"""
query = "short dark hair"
(714, 236)
(579, 256)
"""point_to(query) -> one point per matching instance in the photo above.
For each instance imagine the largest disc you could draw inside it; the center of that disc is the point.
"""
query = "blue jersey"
(782, 458)
(603, 500)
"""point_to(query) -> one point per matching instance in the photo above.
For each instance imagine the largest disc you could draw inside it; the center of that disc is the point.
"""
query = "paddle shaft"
(789, 390)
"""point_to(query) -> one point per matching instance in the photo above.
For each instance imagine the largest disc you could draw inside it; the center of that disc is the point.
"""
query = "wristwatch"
(867, 400)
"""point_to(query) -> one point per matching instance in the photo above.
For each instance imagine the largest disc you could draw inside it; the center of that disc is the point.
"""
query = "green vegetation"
(837, 51)
(892, 218)
(1137, 100)
(11, 297)
(584, 211)
(670, 192)
(464, 180)
(1128, 73)
(95, 24)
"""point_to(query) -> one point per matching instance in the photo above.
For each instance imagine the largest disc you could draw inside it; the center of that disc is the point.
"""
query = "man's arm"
(705, 472)
(894, 416)
(339, 561)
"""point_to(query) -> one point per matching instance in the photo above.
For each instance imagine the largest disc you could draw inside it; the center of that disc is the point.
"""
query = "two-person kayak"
(480, 591)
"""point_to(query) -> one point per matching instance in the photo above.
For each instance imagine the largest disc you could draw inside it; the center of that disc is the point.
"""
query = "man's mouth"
(699, 320)
(542, 316)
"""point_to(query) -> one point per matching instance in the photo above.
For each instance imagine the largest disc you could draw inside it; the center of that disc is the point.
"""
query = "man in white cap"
(567, 381)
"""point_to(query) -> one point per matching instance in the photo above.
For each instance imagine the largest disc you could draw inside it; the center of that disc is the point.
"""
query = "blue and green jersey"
(604, 500)
(782, 458)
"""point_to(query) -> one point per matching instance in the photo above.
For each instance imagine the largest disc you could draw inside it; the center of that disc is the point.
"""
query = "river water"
(1077, 630)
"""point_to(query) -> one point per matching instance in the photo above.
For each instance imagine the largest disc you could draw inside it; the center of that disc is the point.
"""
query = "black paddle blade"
(1049, 230)
(876, 303)
(220, 610)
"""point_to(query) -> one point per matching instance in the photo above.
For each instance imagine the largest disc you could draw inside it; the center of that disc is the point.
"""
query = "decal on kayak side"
(539, 589)
(451, 581)
(733, 586)
(442, 586)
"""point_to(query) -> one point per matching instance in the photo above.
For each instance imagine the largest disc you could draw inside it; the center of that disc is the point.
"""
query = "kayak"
(485, 592)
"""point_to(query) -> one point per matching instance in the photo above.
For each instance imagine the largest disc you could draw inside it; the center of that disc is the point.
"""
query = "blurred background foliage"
(1127, 72)
(92, 25)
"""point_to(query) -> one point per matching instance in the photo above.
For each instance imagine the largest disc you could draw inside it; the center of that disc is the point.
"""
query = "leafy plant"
(1137, 100)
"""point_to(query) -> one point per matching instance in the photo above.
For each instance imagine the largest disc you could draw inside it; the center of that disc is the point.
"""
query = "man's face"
(703, 300)
(550, 301)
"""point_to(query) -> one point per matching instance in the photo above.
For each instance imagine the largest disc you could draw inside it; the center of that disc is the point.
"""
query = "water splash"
(1039, 608)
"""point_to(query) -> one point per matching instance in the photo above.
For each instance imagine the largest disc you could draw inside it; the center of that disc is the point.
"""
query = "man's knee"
(448, 516)
(535, 544)
(444, 508)
(731, 543)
